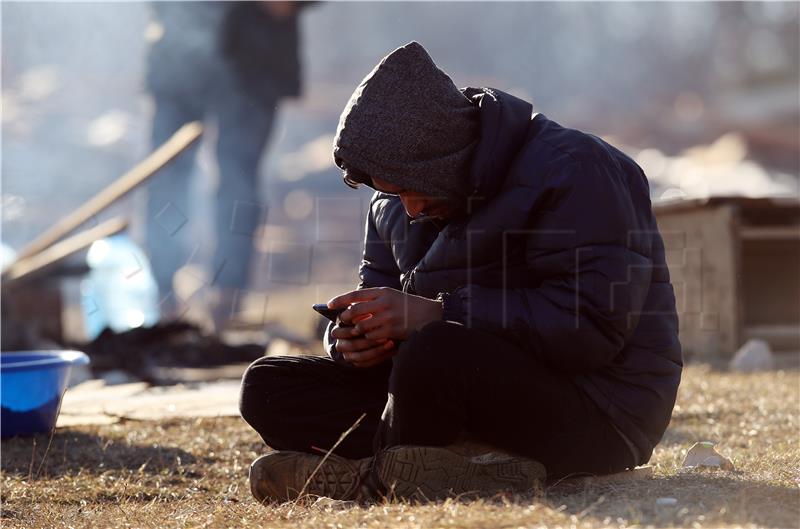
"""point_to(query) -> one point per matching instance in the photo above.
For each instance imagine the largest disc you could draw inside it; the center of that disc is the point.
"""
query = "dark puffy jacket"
(561, 255)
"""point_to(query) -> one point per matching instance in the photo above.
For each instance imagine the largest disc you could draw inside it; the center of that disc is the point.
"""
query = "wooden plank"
(781, 336)
(22, 268)
(96, 403)
(762, 233)
(681, 205)
(179, 142)
(702, 251)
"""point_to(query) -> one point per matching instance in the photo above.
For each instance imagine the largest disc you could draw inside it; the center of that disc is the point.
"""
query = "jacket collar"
(504, 126)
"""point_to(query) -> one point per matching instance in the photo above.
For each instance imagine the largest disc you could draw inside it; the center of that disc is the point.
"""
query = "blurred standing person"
(231, 63)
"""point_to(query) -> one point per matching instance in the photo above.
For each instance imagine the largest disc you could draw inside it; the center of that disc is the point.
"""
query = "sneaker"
(428, 472)
(281, 476)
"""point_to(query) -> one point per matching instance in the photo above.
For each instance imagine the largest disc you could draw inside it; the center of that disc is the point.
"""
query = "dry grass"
(193, 474)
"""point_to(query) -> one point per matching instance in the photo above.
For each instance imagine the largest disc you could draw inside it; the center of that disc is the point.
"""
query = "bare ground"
(192, 473)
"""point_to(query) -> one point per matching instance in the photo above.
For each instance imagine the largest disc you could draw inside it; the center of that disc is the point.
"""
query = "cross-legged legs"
(299, 403)
(445, 380)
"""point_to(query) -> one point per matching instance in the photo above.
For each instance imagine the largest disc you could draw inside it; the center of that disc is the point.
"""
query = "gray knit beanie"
(408, 124)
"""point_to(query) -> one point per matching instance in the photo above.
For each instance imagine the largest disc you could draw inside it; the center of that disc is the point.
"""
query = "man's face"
(417, 204)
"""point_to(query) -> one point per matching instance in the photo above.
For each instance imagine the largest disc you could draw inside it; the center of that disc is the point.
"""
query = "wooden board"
(702, 254)
(179, 142)
(28, 266)
(94, 402)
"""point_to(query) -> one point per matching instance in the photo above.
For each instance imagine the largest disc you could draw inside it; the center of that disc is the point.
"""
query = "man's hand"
(361, 351)
(386, 313)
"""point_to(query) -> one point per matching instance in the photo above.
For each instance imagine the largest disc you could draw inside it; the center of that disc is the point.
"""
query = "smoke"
(661, 75)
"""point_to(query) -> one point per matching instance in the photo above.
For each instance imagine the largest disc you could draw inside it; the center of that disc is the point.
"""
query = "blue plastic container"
(32, 384)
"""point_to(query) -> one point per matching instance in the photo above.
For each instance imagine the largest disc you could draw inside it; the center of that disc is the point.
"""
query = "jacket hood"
(408, 124)
(504, 122)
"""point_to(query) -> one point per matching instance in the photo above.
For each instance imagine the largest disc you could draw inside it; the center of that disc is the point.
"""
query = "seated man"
(531, 312)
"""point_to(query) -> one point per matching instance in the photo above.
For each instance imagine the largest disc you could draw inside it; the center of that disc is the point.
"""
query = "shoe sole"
(427, 473)
(281, 476)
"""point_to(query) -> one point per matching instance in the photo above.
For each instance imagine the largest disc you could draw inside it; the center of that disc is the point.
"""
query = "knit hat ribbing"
(408, 124)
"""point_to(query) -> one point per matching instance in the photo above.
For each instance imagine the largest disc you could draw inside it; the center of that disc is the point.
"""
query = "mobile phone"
(331, 314)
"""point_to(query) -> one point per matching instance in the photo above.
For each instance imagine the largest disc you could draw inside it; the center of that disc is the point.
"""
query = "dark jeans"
(444, 379)
(243, 127)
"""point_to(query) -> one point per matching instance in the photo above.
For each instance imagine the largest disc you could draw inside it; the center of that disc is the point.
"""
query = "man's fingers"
(345, 331)
(385, 332)
(358, 311)
(341, 333)
(380, 329)
(374, 362)
(378, 359)
(370, 356)
(369, 352)
(369, 324)
(356, 346)
(354, 296)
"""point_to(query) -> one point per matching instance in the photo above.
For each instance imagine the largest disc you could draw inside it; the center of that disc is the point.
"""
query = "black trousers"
(445, 380)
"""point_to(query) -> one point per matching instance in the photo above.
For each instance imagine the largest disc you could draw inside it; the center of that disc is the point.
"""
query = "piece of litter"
(329, 504)
(755, 355)
(666, 501)
(704, 455)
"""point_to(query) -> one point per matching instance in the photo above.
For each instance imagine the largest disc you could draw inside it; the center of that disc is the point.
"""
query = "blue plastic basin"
(32, 384)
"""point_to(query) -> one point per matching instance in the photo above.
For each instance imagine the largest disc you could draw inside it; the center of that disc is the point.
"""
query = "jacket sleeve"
(378, 269)
(587, 254)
